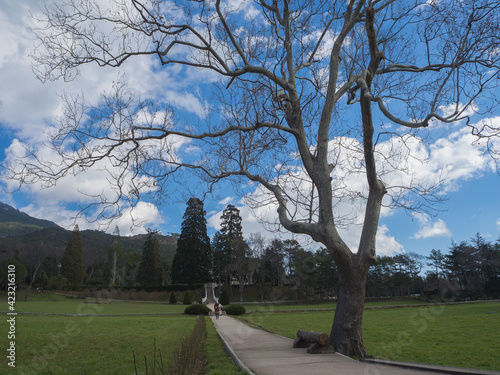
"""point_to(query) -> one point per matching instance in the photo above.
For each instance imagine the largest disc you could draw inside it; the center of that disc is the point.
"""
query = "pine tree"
(150, 270)
(173, 299)
(220, 260)
(192, 261)
(72, 259)
(236, 250)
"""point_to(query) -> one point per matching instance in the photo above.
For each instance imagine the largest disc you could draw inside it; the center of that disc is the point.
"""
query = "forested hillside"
(32, 240)
(14, 222)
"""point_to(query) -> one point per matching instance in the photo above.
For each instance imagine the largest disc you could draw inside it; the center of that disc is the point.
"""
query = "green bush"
(173, 299)
(187, 299)
(57, 282)
(224, 299)
(197, 310)
(96, 281)
(234, 310)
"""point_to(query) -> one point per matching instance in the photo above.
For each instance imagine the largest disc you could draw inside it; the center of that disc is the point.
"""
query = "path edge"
(237, 361)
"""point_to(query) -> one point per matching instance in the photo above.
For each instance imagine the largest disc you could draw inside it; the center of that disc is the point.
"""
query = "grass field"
(103, 345)
(452, 335)
(455, 335)
(329, 305)
(94, 345)
(58, 304)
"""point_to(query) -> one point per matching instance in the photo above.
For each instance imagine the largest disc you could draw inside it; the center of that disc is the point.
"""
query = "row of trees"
(116, 268)
(469, 270)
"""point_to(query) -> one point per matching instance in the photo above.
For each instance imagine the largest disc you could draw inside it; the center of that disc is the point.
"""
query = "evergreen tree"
(234, 253)
(219, 258)
(192, 260)
(187, 299)
(72, 259)
(173, 299)
(325, 275)
(150, 270)
(436, 260)
(20, 271)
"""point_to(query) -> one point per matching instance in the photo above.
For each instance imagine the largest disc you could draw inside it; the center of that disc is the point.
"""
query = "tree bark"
(241, 280)
(346, 335)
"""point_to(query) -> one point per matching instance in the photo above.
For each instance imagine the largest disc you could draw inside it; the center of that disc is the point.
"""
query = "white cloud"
(132, 221)
(430, 229)
(386, 243)
(136, 220)
(226, 201)
(410, 162)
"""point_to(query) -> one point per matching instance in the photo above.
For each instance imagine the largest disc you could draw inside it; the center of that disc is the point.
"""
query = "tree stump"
(315, 342)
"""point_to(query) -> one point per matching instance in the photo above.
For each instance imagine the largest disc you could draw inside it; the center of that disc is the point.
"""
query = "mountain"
(14, 222)
(24, 235)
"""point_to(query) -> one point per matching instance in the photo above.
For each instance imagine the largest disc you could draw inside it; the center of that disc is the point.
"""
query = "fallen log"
(316, 342)
(313, 337)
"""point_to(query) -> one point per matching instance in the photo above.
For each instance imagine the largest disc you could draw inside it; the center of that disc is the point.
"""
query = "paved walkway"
(263, 353)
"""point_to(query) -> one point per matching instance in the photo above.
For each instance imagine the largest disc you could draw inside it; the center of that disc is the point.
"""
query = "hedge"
(197, 310)
(234, 310)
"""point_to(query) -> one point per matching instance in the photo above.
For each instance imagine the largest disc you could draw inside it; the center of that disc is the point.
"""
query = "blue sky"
(28, 107)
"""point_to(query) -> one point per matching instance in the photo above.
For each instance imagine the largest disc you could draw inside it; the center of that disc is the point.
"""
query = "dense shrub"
(197, 310)
(173, 299)
(224, 299)
(56, 282)
(96, 281)
(187, 299)
(234, 310)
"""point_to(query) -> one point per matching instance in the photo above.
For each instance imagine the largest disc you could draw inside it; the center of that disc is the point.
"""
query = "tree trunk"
(33, 278)
(346, 335)
(241, 288)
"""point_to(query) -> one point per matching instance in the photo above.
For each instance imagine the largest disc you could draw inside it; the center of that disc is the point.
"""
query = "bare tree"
(304, 92)
(34, 262)
(258, 246)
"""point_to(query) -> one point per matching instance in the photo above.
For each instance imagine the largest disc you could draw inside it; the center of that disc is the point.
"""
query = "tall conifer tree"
(150, 270)
(236, 250)
(192, 261)
(72, 260)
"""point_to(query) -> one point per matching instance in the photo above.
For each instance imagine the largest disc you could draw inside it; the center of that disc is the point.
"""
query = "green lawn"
(62, 345)
(269, 307)
(452, 335)
(54, 303)
(94, 345)
(455, 335)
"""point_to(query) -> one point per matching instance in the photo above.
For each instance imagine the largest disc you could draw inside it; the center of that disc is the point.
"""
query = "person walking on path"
(217, 310)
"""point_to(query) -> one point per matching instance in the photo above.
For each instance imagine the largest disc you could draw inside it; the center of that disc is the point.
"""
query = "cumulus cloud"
(409, 162)
(29, 109)
(132, 220)
(430, 229)
(28, 106)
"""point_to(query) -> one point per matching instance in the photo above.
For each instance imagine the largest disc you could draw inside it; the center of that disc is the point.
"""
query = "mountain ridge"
(14, 222)
(23, 235)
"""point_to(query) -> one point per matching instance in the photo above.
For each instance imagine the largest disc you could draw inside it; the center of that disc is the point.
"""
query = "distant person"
(217, 310)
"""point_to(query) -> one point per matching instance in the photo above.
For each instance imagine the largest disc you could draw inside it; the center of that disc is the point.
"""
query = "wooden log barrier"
(315, 342)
